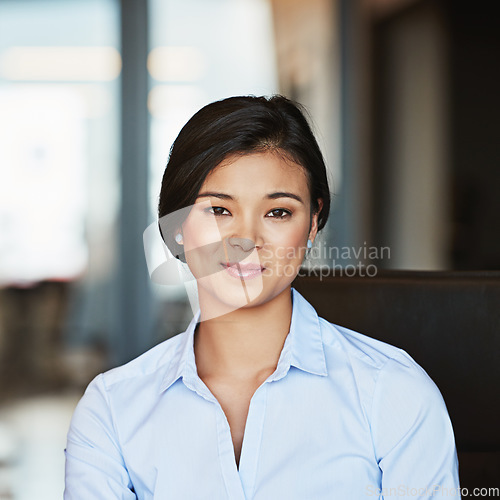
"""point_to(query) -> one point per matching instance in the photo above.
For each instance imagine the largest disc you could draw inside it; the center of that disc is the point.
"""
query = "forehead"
(258, 172)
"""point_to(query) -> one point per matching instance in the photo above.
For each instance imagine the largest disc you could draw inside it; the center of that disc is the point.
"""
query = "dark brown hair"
(239, 125)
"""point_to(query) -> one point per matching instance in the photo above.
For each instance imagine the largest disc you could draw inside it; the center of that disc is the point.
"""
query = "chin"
(224, 294)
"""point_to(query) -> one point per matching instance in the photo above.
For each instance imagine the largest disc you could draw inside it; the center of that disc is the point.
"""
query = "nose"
(245, 236)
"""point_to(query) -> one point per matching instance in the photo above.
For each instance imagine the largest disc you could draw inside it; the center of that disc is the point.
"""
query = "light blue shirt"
(343, 416)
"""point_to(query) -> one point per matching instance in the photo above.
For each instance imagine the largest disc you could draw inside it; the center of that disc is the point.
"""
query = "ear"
(313, 231)
(179, 238)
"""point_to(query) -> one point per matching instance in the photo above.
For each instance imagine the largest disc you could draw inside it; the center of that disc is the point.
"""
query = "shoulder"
(109, 395)
(397, 394)
(368, 349)
(140, 378)
(409, 425)
(384, 374)
(112, 407)
(152, 364)
(366, 353)
(361, 359)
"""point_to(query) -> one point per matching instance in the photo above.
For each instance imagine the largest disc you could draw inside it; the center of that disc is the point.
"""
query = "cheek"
(289, 244)
(202, 247)
(200, 233)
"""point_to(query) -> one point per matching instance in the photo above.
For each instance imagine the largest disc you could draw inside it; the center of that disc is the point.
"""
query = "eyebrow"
(270, 196)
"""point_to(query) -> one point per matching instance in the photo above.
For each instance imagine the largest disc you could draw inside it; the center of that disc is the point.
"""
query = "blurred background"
(404, 100)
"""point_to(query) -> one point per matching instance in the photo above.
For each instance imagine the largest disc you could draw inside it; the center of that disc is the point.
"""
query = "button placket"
(230, 474)
(232, 482)
(252, 438)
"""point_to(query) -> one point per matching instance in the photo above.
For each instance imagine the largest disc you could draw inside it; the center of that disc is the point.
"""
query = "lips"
(244, 267)
(245, 271)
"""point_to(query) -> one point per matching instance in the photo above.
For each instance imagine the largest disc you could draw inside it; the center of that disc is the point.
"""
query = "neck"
(246, 342)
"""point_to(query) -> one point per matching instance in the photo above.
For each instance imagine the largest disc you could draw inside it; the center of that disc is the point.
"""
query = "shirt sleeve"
(412, 434)
(95, 468)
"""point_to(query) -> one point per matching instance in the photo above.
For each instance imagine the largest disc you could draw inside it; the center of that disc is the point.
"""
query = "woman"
(259, 398)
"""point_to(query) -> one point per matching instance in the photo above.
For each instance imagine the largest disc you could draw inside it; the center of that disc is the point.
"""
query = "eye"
(279, 213)
(217, 211)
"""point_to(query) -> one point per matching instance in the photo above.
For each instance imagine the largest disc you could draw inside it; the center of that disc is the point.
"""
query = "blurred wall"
(411, 177)
(434, 132)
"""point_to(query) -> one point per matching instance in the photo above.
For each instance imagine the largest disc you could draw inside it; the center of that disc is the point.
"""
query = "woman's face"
(245, 237)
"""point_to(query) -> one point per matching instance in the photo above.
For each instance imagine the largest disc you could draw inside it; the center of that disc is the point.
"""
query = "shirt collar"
(307, 349)
(183, 363)
(303, 347)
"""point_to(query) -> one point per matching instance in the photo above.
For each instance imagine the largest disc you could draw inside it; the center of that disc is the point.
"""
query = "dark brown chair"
(449, 322)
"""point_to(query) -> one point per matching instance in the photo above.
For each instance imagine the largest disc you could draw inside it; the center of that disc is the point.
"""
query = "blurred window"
(59, 76)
